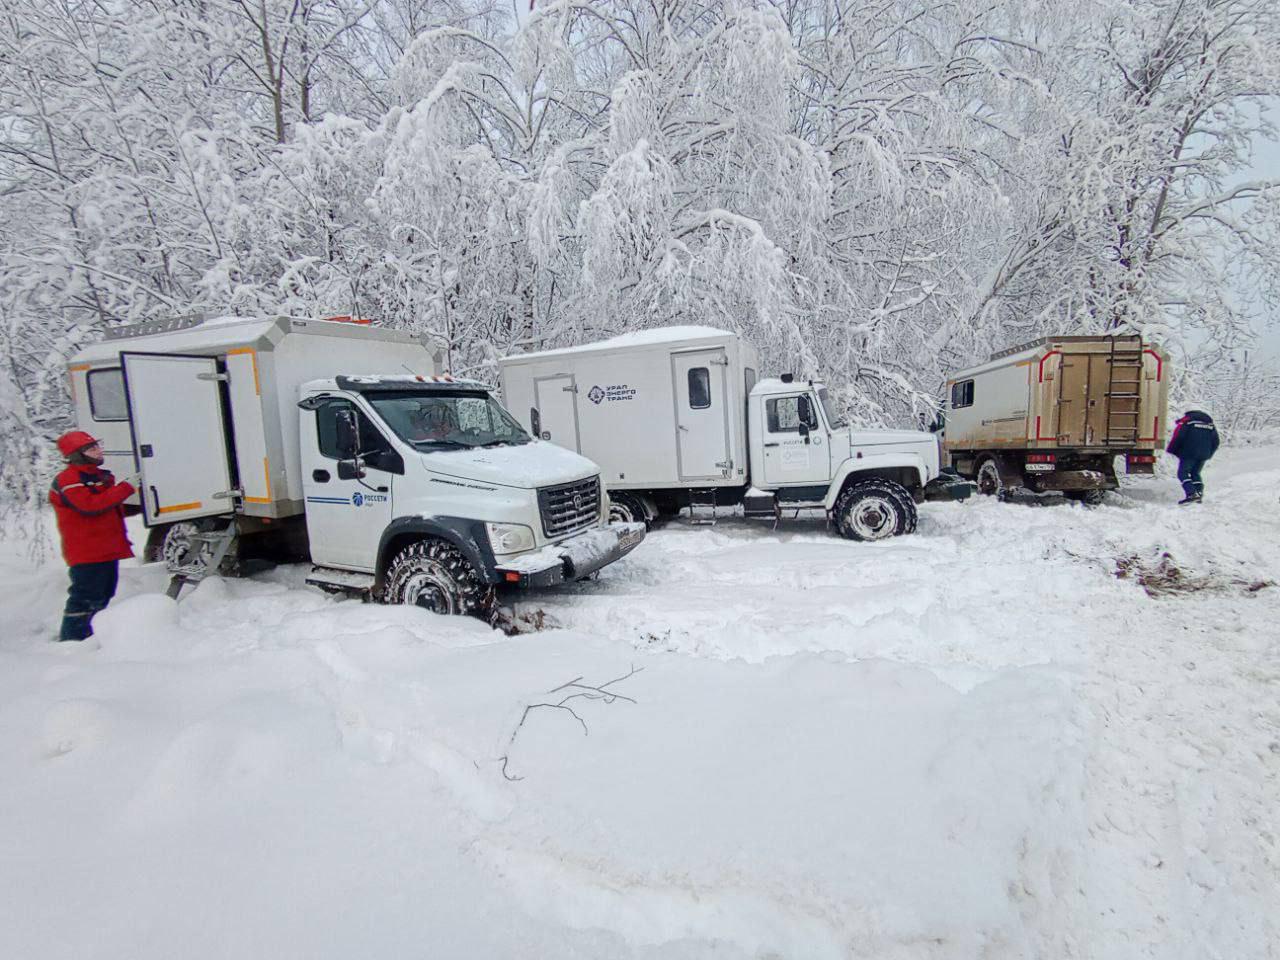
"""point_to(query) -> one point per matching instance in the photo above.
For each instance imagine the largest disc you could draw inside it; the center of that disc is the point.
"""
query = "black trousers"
(1189, 475)
(92, 587)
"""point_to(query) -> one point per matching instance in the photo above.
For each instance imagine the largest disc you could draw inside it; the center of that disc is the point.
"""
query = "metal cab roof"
(391, 383)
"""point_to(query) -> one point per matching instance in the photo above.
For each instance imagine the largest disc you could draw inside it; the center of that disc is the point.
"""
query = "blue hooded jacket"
(1195, 437)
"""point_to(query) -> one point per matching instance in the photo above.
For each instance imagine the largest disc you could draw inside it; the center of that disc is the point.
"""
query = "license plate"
(629, 538)
(1039, 467)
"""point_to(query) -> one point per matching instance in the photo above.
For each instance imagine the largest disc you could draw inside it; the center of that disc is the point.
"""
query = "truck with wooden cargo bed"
(289, 439)
(1054, 414)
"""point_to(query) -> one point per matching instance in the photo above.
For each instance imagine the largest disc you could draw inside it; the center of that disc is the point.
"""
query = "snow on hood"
(535, 464)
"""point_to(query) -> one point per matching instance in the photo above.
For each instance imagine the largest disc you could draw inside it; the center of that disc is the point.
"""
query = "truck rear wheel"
(180, 547)
(990, 483)
(434, 575)
(875, 509)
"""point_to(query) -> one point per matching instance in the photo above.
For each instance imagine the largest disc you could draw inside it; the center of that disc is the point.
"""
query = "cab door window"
(783, 415)
(375, 449)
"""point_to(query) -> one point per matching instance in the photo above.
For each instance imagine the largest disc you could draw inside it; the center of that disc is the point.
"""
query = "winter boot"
(1191, 498)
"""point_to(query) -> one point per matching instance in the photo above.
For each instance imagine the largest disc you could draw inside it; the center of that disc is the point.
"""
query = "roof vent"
(788, 377)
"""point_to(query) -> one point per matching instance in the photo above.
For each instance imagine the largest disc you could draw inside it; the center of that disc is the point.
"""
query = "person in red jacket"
(87, 502)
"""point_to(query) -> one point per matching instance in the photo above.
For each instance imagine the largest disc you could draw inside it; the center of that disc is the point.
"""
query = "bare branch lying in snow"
(579, 689)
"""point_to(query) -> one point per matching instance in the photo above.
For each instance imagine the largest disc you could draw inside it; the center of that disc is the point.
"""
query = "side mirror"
(808, 416)
(347, 435)
(350, 470)
(535, 422)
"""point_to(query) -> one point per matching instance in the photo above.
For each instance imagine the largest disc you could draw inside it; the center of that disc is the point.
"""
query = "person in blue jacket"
(1194, 441)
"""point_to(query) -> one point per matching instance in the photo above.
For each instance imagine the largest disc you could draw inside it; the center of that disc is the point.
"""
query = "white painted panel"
(179, 436)
(249, 430)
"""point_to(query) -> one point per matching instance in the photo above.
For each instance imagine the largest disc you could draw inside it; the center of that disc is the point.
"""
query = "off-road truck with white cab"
(677, 417)
(406, 487)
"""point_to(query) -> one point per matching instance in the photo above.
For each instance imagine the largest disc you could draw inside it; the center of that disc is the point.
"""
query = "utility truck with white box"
(677, 417)
(286, 439)
(1054, 414)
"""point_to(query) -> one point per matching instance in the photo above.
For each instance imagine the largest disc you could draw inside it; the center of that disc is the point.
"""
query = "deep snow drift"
(977, 741)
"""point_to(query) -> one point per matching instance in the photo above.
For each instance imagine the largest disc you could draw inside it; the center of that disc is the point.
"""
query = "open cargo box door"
(179, 436)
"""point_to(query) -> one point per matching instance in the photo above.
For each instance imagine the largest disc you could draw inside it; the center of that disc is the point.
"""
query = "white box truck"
(286, 438)
(677, 417)
(1052, 415)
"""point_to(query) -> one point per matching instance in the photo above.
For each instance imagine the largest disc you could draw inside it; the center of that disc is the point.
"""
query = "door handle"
(155, 496)
(681, 426)
(381, 489)
(771, 444)
(320, 476)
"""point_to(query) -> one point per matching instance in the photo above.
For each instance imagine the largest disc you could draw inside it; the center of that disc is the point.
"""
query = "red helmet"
(74, 441)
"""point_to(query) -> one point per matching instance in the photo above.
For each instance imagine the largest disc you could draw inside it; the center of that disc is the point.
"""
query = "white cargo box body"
(1079, 392)
(655, 409)
(262, 363)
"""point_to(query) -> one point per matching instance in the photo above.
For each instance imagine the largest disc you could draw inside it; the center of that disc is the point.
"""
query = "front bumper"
(571, 559)
(949, 486)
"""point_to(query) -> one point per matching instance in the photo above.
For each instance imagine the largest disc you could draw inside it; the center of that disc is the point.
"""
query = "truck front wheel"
(434, 575)
(875, 510)
(627, 508)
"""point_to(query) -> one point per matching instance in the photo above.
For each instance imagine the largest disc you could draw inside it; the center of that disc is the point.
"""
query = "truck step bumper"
(1074, 480)
(572, 559)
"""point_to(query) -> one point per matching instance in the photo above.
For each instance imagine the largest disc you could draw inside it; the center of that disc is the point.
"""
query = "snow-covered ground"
(977, 741)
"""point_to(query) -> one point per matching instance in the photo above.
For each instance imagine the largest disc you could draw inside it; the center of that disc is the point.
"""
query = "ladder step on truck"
(704, 499)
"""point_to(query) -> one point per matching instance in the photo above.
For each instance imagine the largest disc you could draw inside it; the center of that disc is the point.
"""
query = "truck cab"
(804, 456)
(429, 491)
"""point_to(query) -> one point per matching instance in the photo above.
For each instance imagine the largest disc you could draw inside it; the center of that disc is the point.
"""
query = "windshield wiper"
(504, 443)
(441, 443)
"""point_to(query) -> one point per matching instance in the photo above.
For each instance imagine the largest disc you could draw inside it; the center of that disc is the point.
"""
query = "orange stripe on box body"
(266, 475)
(179, 507)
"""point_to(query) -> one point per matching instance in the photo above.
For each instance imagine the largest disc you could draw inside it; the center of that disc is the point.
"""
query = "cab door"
(796, 452)
(346, 517)
(176, 416)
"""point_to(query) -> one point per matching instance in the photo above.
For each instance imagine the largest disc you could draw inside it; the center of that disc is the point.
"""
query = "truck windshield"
(829, 410)
(453, 419)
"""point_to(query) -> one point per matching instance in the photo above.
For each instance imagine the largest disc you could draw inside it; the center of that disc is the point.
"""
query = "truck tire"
(875, 509)
(989, 481)
(178, 550)
(627, 508)
(434, 575)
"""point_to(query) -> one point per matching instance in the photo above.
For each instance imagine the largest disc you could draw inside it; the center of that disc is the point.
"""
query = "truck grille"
(568, 508)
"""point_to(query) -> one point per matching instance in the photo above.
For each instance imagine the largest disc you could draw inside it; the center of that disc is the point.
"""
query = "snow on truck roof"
(1009, 355)
(180, 334)
(640, 338)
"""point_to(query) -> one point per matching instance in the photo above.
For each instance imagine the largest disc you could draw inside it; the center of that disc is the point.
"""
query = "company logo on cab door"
(361, 499)
(612, 393)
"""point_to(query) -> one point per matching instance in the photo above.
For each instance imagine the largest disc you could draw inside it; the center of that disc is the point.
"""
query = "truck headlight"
(509, 537)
